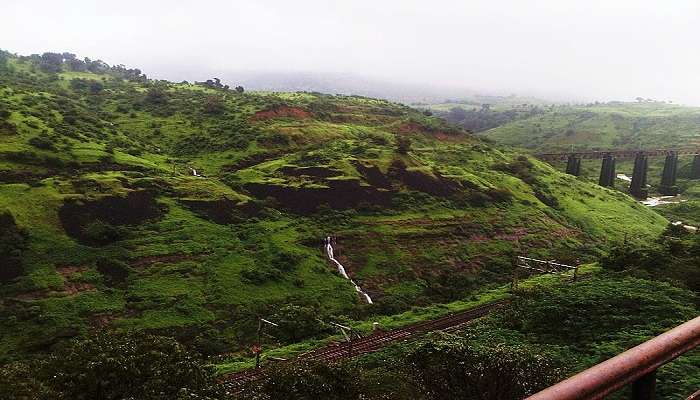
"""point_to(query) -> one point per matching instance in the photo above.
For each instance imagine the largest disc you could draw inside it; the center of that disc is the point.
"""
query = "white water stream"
(660, 200)
(624, 177)
(341, 270)
(689, 228)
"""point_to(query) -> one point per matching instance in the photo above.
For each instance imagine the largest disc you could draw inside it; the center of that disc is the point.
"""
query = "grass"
(203, 266)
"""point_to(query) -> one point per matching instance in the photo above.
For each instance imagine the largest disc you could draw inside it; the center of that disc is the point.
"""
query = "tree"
(311, 381)
(4, 56)
(214, 105)
(137, 366)
(239, 89)
(456, 114)
(51, 62)
(450, 367)
(297, 322)
(156, 95)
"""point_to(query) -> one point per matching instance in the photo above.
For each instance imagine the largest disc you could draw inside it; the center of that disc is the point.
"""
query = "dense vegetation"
(189, 210)
(542, 337)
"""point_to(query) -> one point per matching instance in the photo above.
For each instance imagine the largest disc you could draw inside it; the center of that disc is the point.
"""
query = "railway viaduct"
(638, 186)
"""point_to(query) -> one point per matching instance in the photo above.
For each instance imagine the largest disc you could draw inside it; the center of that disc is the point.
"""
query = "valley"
(189, 211)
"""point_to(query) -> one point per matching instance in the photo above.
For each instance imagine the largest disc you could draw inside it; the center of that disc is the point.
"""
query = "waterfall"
(341, 270)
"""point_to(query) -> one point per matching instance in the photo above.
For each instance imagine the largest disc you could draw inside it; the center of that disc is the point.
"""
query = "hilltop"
(189, 209)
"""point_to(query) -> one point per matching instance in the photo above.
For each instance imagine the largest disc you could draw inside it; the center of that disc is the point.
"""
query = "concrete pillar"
(607, 171)
(573, 165)
(695, 169)
(668, 178)
(638, 186)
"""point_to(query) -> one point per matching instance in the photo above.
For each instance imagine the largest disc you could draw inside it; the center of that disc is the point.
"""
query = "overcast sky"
(613, 49)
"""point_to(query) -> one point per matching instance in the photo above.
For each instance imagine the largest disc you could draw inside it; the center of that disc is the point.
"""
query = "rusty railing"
(636, 366)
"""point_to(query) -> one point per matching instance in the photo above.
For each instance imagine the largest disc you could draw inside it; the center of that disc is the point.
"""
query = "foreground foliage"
(112, 367)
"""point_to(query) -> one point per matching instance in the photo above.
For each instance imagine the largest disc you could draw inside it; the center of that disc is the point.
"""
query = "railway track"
(339, 351)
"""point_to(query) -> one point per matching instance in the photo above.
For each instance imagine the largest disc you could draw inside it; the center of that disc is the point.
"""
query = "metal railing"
(636, 366)
(541, 266)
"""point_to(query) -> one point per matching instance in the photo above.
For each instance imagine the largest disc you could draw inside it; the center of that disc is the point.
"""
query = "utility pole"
(345, 329)
(257, 348)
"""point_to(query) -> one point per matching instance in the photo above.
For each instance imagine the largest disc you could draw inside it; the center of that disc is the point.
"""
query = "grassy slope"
(192, 274)
(604, 126)
(616, 126)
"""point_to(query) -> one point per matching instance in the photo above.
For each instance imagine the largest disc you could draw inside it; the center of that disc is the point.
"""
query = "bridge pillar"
(607, 171)
(668, 178)
(695, 170)
(638, 186)
(573, 165)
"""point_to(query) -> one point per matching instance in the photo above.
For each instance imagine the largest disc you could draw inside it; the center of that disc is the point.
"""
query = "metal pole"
(258, 344)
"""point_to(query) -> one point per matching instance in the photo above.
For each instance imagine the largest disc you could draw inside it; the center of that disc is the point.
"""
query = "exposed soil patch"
(73, 288)
(281, 112)
(77, 216)
(99, 321)
(68, 270)
(222, 211)
(339, 195)
(33, 295)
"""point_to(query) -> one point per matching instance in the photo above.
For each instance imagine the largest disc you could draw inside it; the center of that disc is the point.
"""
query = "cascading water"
(341, 270)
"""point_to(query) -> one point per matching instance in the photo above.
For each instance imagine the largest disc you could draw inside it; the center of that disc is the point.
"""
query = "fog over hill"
(588, 50)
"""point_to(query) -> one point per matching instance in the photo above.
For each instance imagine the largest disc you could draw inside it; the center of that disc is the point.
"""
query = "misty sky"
(615, 49)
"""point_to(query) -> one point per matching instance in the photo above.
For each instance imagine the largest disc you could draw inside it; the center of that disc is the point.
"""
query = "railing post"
(644, 388)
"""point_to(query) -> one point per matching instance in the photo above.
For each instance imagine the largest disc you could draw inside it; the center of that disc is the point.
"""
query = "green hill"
(615, 125)
(603, 126)
(189, 209)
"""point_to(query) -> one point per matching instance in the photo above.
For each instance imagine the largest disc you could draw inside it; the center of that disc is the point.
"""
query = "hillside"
(190, 209)
(614, 125)
(603, 126)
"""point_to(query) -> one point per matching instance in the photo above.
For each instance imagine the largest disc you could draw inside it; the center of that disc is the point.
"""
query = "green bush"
(453, 368)
(42, 142)
(100, 232)
(130, 366)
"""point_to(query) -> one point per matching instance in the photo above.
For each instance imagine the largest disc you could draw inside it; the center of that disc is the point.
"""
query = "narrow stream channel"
(341, 270)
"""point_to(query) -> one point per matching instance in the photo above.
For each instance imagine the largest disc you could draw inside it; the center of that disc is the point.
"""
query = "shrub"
(100, 232)
(114, 271)
(257, 275)
(521, 168)
(297, 322)
(42, 142)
